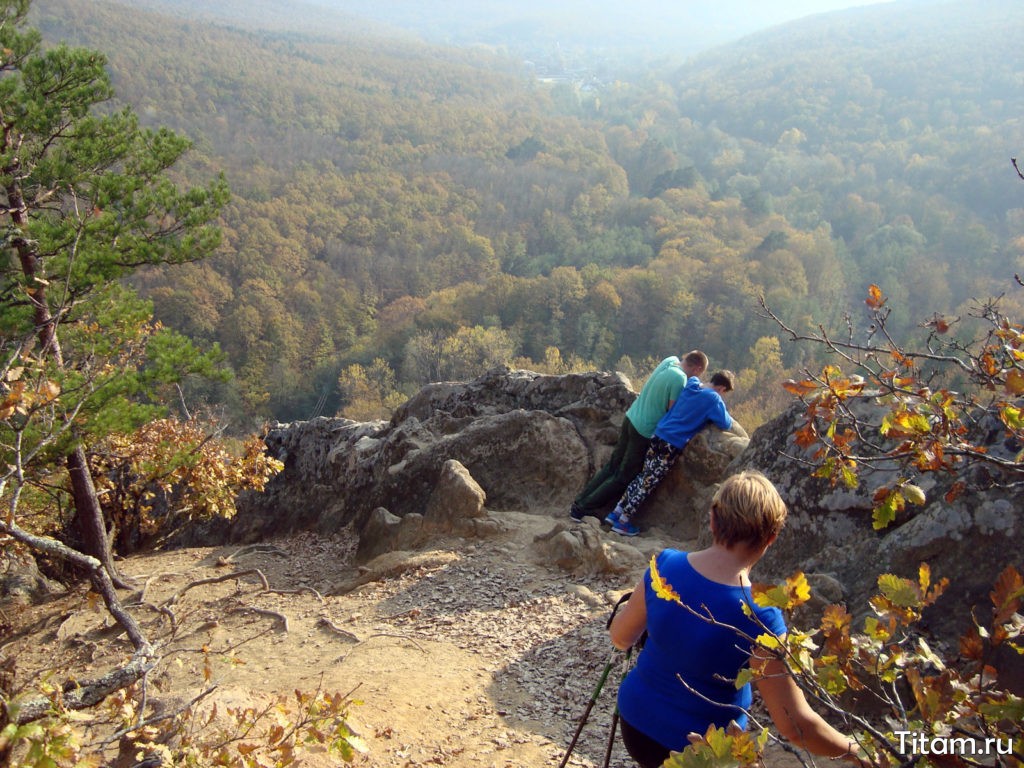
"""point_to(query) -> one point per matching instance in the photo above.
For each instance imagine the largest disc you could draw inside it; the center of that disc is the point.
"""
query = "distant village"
(584, 69)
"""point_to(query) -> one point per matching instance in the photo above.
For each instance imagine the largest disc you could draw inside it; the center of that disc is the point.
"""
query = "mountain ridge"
(391, 194)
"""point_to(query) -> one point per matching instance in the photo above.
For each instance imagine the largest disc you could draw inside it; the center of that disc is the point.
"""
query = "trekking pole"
(586, 712)
(611, 738)
(615, 712)
(597, 690)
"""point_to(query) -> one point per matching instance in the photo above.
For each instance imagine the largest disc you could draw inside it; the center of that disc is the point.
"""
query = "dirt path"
(475, 655)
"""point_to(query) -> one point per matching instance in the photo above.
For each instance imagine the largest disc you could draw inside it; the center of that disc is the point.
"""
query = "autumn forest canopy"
(404, 213)
(218, 217)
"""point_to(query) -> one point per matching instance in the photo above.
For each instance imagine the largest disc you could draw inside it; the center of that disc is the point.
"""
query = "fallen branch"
(251, 549)
(215, 579)
(332, 626)
(262, 612)
(85, 694)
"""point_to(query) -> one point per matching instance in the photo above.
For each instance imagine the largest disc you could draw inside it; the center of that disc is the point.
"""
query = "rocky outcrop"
(526, 442)
(456, 506)
(968, 539)
(529, 441)
(21, 582)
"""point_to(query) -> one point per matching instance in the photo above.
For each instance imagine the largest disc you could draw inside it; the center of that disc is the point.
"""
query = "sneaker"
(612, 518)
(625, 529)
(576, 513)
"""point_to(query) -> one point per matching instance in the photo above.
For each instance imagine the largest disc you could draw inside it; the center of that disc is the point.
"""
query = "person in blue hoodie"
(695, 408)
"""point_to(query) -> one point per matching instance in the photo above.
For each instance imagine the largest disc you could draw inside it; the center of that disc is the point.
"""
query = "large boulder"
(530, 441)
(968, 538)
(679, 505)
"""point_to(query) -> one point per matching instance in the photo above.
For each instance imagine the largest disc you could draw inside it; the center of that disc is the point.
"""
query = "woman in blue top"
(684, 677)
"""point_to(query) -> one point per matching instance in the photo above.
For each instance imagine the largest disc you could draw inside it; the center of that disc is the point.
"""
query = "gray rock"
(21, 582)
(968, 539)
(582, 549)
(456, 498)
(530, 441)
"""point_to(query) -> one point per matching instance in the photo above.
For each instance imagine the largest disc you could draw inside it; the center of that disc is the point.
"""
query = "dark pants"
(605, 488)
(646, 751)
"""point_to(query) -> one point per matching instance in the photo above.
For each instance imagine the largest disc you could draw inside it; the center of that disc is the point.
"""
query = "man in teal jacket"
(655, 399)
(695, 408)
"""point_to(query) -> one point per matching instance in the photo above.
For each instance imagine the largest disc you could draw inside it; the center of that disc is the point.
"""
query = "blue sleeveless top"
(681, 645)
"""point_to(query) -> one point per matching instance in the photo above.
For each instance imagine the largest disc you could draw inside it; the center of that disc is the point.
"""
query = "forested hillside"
(405, 213)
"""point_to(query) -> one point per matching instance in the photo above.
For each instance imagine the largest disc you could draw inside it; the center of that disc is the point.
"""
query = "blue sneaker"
(625, 529)
(612, 518)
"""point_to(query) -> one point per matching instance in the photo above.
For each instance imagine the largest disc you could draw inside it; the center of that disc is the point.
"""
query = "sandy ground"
(467, 654)
(471, 653)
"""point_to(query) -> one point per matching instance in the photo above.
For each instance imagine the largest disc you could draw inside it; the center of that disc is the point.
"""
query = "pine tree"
(86, 199)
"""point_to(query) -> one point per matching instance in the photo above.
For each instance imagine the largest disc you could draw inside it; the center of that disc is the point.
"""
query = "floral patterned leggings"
(658, 461)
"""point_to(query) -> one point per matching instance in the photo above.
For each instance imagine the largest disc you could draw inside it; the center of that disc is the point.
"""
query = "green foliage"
(360, 185)
(720, 748)
(43, 745)
(52, 742)
(280, 732)
(88, 198)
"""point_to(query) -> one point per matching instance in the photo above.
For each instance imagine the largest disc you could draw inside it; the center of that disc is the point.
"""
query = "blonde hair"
(747, 509)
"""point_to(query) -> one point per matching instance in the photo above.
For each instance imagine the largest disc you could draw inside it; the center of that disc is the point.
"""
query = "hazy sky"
(679, 26)
(725, 20)
(780, 11)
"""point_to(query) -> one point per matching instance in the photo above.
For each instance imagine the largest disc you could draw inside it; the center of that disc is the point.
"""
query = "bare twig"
(215, 579)
(159, 718)
(844, 348)
(181, 398)
(249, 550)
(334, 627)
(263, 612)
